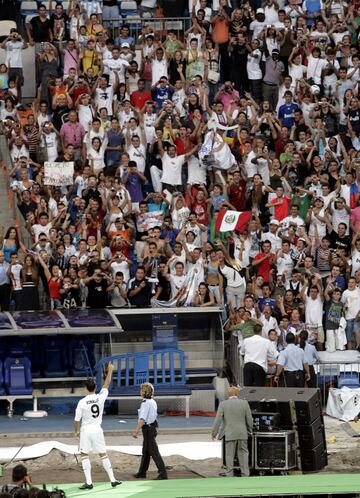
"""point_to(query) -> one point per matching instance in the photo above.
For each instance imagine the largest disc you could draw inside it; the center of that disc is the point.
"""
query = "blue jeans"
(350, 330)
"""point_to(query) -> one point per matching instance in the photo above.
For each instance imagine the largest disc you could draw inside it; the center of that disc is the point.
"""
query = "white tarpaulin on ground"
(192, 450)
(343, 403)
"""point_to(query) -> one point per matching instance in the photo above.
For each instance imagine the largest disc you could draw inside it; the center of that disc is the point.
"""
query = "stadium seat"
(27, 347)
(128, 8)
(28, 8)
(81, 358)
(18, 378)
(28, 18)
(2, 390)
(5, 27)
(55, 357)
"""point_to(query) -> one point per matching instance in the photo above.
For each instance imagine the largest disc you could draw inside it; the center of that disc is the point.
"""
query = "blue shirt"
(286, 114)
(148, 411)
(311, 354)
(264, 301)
(4, 279)
(159, 95)
(292, 358)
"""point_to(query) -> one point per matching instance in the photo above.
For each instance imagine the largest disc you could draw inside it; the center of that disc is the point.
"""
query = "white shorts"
(92, 442)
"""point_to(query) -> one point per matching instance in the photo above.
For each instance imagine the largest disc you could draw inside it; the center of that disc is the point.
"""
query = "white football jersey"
(90, 411)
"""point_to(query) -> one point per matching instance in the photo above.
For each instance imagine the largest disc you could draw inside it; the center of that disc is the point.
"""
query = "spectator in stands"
(168, 157)
(20, 480)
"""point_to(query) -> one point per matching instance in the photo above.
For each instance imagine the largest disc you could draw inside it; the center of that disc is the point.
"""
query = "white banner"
(192, 451)
(58, 174)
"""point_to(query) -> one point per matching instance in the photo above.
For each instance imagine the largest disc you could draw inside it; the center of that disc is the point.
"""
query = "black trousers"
(5, 291)
(254, 375)
(313, 380)
(150, 450)
(295, 379)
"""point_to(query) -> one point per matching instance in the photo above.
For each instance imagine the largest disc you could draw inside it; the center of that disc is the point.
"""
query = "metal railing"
(159, 25)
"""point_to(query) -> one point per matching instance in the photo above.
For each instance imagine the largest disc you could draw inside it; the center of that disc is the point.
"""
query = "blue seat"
(348, 379)
(2, 390)
(26, 347)
(18, 378)
(81, 358)
(55, 357)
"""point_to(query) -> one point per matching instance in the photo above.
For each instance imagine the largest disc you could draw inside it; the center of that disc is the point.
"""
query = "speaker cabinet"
(314, 459)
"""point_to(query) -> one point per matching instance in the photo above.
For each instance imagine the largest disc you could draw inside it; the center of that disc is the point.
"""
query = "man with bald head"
(235, 422)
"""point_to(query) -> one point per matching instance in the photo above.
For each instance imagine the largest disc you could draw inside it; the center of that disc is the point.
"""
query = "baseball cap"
(274, 222)
(275, 51)
(260, 11)
(125, 45)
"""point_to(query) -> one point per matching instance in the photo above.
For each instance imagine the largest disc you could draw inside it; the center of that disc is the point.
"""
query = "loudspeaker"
(314, 459)
(311, 435)
(275, 450)
(274, 399)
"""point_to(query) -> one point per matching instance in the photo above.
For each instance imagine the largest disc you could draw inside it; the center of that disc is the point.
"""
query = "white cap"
(124, 45)
(260, 11)
(274, 222)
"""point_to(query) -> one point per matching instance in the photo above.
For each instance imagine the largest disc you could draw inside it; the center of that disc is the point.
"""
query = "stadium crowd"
(254, 109)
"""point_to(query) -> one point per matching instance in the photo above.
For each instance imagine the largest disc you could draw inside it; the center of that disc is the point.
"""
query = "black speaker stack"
(296, 409)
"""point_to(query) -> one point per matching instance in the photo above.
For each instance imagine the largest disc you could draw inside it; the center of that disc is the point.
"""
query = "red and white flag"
(228, 221)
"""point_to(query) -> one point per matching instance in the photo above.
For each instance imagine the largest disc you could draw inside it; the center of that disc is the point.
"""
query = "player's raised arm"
(107, 380)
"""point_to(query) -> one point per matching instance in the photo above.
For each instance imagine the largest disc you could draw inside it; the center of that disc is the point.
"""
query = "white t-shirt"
(177, 282)
(119, 66)
(137, 154)
(196, 171)
(90, 410)
(285, 265)
(122, 266)
(172, 169)
(104, 98)
(38, 229)
(351, 299)
(159, 69)
(180, 216)
(313, 310)
(257, 349)
(16, 276)
(256, 27)
(253, 65)
(13, 53)
(355, 261)
(314, 68)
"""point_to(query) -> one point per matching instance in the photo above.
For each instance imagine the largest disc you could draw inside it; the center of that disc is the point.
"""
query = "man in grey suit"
(234, 421)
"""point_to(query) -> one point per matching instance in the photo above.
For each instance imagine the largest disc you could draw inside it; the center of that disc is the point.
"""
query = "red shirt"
(237, 195)
(264, 268)
(79, 90)
(282, 210)
(200, 208)
(138, 99)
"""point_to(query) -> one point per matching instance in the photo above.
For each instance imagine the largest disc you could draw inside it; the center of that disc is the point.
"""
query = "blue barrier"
(135, 368)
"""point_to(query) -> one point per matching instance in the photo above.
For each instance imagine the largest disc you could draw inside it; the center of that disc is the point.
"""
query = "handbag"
(213, 76)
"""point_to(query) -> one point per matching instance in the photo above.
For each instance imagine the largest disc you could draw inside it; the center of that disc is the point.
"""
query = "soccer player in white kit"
(89, 412)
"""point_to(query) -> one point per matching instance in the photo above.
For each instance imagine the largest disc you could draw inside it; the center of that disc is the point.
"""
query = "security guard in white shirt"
(292, 361)
(148, 424)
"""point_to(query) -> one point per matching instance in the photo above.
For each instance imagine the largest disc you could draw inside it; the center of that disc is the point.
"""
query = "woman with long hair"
(11, 243)
(29, 297)
(311, 356)
(204, 297)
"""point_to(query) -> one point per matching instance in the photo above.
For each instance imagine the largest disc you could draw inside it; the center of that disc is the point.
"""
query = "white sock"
(108, 469)
(86, 465)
